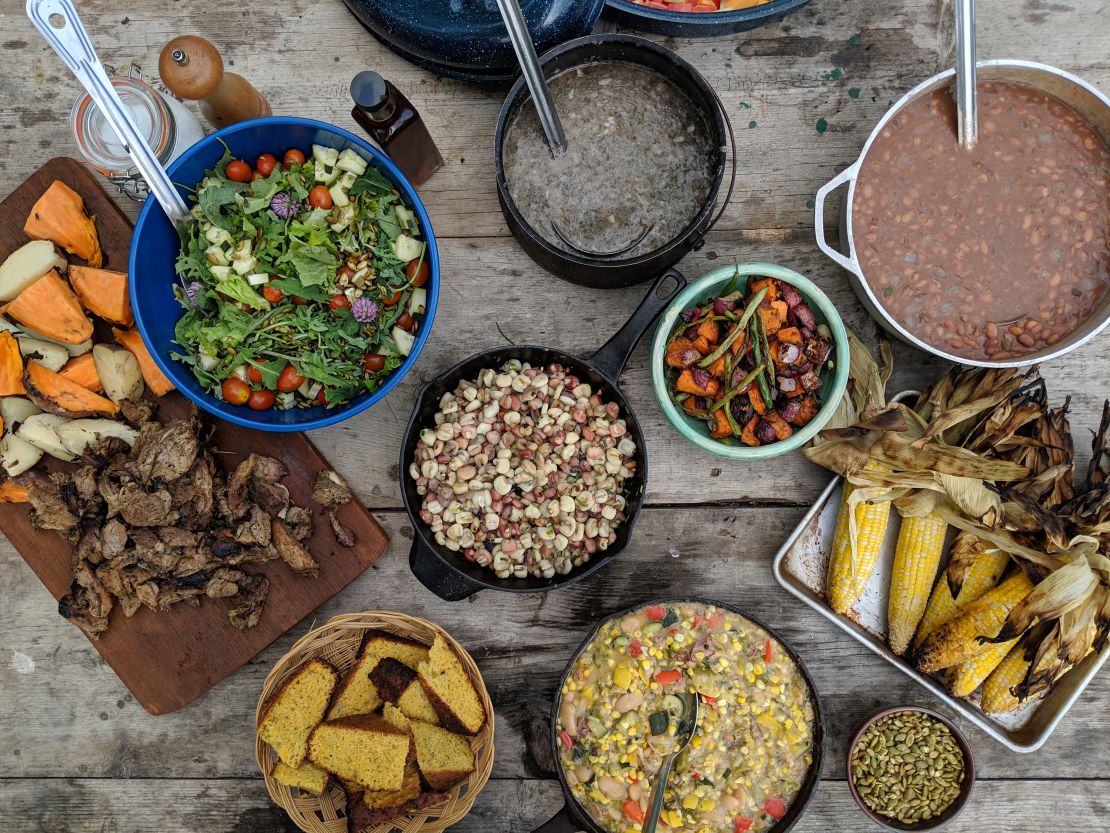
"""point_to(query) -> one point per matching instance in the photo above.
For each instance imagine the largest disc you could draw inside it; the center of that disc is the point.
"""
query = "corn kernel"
(707, 805)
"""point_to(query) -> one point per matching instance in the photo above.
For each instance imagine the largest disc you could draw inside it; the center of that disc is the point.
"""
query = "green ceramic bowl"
(708, 287)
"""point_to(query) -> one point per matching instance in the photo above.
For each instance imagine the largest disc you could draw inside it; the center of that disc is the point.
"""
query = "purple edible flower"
(192, 290)
(284, 205)
(364, 310)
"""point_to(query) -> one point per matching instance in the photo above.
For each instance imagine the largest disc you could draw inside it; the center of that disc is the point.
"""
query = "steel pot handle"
(847, 175)
(610, 360)
(447, 583)
(561, 822)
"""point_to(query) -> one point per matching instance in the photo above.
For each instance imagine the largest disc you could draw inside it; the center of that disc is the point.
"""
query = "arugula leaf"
(371, 180)
(291, 286)
(314, 264)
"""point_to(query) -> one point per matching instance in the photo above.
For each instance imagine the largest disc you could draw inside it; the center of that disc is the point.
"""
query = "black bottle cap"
(369, 91)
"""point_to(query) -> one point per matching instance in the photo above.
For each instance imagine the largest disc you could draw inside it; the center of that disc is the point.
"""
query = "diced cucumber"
(406, 248)
(206, 361)
(344, 218)
(339, 190)
(217, 235)
(258, 279)
(220, 272)
(406, 218)
(324, 160)
(419, 301)
(351, 161)
(243, 266)
(285, 401)
(404, 339)
(216, 256)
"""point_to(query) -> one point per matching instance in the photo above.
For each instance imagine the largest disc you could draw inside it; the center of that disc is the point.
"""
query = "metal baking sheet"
(800, 567)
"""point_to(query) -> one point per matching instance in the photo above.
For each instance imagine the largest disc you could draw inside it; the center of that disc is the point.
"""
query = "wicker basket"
(338, 642)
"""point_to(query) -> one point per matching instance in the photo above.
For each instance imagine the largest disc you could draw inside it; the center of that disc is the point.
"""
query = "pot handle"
(847, 175)
(561, 822)
(447, 583)
(610, 360)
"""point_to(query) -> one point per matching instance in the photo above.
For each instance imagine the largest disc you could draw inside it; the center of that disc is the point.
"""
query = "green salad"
(302, 279)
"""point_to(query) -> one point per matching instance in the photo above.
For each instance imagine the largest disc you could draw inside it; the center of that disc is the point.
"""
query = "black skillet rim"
(692, 234)
(813, 777)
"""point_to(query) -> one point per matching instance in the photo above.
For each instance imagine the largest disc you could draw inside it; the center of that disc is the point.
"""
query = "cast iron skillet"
(610, 273)
(448, 574)
(573, 817)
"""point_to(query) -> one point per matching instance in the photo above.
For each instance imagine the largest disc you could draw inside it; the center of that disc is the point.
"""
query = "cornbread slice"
(307, 777)
(450, 691)
(363, 749)
(398, 684)
(356, 694)
(293, 712)
(395, 717)
(444, 758)
(389, 799)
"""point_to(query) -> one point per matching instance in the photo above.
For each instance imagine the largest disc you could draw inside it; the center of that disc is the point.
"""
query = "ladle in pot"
(687, 728)
(967, 100)
(60, 25)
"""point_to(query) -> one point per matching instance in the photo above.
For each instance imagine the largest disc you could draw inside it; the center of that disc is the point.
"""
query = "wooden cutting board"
(167, 659)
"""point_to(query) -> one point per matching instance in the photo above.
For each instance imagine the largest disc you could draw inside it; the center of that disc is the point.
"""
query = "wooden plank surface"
(169, 658)
(85, 758)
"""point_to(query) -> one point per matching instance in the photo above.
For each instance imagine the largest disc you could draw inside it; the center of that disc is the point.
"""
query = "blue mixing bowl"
(155, 246)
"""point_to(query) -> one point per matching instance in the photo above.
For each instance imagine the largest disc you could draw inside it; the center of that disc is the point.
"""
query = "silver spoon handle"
(967, 102)
(655, 803)
(59, 23)
(529, 62)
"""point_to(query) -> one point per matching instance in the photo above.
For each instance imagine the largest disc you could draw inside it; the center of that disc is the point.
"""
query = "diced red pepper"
(635, 648)
(698, 620)
(708, 699)
(743, 823)
(634, 811)
(696, 776)
(767, 652)
(715, 621)
(564, 738)
(668, 676)
(775, 808)
(656, 613)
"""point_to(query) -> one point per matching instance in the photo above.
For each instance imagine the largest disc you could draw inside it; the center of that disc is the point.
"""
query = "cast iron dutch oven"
(448, 574)
(610, 273)
(573, 817)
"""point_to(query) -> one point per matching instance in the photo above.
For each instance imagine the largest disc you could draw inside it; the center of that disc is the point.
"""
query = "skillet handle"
(447, 583)
(561, 822)
(610, 360)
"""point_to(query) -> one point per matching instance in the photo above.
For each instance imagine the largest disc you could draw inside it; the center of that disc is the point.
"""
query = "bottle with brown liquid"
(391, 120)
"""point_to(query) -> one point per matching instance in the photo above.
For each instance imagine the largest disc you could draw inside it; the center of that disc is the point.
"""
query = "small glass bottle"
(168, 126)
(391, 120)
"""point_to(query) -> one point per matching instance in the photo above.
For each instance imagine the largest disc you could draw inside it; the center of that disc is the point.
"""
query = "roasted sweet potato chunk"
(104, 293)
(59, 216)
(11, 365)
(49, 307)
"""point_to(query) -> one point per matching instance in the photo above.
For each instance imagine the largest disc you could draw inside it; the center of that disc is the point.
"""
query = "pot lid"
(467, 38)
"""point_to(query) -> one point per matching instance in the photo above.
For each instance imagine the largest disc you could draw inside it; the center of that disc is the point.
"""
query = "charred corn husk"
(970, 674)
(957, 640)
(981, 577)
(850, 567)
(916, 559)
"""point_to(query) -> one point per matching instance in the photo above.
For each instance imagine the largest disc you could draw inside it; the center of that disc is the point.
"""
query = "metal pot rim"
(851, 263)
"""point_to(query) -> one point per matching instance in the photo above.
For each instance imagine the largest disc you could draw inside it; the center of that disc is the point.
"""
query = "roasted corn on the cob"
(916, 559)
(850, 567)
(981, 577)
(956, 640)
(998, 694)
(970, 674)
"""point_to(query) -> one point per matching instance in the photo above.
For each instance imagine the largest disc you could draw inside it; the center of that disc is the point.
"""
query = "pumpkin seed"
(907, 766)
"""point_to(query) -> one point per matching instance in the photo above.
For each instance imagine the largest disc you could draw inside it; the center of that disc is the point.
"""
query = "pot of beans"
(997, 256)
(755, 758)
(523, 467)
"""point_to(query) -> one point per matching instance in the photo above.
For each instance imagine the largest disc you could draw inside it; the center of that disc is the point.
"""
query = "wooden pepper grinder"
(192, 68)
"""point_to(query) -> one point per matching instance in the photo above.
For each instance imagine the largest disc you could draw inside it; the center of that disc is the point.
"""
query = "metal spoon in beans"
(523, 471)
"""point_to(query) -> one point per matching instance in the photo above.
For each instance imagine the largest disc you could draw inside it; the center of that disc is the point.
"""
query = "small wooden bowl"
(953, 809)
(338, 642)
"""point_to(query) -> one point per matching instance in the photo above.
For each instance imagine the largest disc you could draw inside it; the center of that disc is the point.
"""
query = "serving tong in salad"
(61, 27)
(687, 727)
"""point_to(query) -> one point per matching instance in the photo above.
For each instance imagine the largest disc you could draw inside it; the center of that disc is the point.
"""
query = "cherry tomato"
(406, 322)
(656, 613)
(289, 380)
(235, 391)
(301, 302)
(261, 400)
(393, 299)
(743, 823)
(272, 294)
(319, 197)
(634, 811)
(565, 739)
(775, 808)
(265, 164)
(373, 362)
(238, 171)
(668, 676)
(256, 176)
(292, 157)
(418, 271)
(322, 397)
(636, 648)
(339, 301)
(254, 374)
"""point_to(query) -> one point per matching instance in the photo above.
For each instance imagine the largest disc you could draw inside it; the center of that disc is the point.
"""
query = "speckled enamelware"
(467, 38)
(698, 24)
(709, 286)
(954, 809)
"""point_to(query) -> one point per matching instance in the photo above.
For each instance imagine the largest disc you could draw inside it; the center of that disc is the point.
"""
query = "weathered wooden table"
(79, 755)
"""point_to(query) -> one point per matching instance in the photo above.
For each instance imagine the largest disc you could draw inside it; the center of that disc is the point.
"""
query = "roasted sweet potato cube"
(772, 288)
(757, 400)
(747, 435)
(682, 353)
(773, 315)
(709, 331)
(688, 384)
(739, 346)
(780, 426)
(807, 410)
(791, 335)
(722, 429)
(717, 369)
